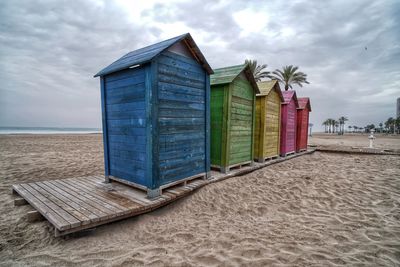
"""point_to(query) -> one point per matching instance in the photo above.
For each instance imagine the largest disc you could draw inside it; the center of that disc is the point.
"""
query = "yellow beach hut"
(268, 119)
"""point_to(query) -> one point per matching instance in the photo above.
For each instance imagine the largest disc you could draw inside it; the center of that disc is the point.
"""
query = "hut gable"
(304, 102)
(266, 87)
(146, 54)
(229, 74)
(287, 97)
(225, 75)
(181, 48)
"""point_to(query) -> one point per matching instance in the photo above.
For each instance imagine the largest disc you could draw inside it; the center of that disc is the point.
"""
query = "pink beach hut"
(302, 123)
(288, 122)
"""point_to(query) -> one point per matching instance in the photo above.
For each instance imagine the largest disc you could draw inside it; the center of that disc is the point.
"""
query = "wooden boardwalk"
(75, 204)
(358, 150)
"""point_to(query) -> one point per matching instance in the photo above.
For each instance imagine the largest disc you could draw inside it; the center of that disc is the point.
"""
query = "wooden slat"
(97, 204)
(183, 189)
(91, 197)
(72, 221)
(117, 205)
(171, 195)
(34, 216)
(101, 206)
(79, 205)
(104, 125)
(130, 193)
(53, 217)
(188, 188)
(191, 186)
(20, 202)
(112, 198)
(63, 209)
(174, 191)
(73, 209)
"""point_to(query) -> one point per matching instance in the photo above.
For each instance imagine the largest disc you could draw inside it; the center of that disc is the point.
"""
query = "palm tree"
(369, 127)
(342, 121)
(326, 123)
(336, 125)
(380, 127)
(329, 124)
(397, 124)
(340, 125)
(389, 124)
(289, 76)
(258, 70)
(349, 127)
(332, 125)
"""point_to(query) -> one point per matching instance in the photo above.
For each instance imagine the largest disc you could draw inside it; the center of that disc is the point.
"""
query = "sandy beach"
(382, 141)
(315, 210)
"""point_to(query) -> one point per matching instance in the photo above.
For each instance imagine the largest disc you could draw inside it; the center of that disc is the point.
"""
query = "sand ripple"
(315, 210)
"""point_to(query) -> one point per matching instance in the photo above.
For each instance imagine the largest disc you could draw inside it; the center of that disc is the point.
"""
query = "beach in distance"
(321, 209)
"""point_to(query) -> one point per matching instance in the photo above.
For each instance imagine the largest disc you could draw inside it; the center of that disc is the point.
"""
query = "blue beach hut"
(156, 115)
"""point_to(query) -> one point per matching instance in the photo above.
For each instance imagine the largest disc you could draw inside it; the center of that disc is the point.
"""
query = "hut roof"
(304, 102)
(147, 53)
(266, 87)
(288, 95)
(228, 74)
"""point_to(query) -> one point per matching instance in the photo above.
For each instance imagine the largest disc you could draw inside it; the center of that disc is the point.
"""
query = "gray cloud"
(49, 52)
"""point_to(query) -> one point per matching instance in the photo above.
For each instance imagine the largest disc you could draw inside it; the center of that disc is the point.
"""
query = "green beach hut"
(233, 96)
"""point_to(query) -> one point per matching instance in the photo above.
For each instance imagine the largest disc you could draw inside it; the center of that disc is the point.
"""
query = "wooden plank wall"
(126, 121)
(306, 121)
(259, 129)
(241, 124)
(282, 149)
(149, 107)
(181, 118)
(272, 121)
(105, 131)
(302, 129)
(208, 125)
(226, 125)
(291, 127)
(217, 109)
(288, 127)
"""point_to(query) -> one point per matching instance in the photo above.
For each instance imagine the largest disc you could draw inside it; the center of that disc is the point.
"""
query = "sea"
(48, 130)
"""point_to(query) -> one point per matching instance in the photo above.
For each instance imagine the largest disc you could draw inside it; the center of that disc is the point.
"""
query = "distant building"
(398, 108)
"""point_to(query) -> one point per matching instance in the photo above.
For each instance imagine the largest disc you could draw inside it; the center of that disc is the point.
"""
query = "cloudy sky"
(50, 50)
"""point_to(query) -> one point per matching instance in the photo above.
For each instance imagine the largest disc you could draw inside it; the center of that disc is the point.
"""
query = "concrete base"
(260, 160)
(153, 193)
(224, 169)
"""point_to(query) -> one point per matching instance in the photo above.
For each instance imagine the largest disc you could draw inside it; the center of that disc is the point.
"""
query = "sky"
(50, 50)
